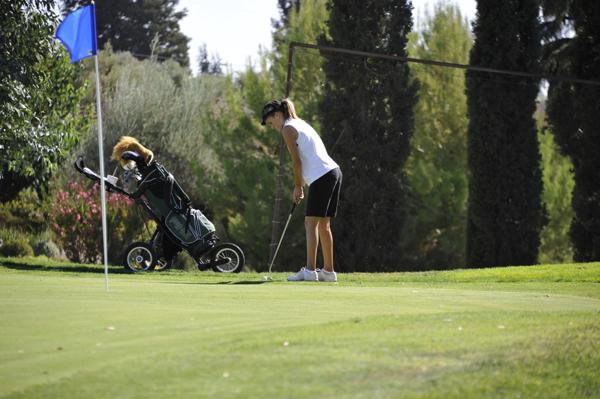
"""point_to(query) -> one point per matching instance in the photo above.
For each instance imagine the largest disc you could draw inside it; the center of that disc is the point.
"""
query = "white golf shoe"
(304, 275)
(325, 276)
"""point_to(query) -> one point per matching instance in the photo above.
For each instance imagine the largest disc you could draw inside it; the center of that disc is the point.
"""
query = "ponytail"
(288, 109)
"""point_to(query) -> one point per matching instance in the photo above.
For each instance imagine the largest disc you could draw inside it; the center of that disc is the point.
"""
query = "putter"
(268, 277)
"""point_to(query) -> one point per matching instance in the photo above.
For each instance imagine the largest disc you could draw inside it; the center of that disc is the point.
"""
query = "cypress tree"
(574, 117)
(505, 214)
(367, 123)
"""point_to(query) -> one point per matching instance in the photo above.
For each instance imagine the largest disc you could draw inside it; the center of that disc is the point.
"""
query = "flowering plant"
(76, 221)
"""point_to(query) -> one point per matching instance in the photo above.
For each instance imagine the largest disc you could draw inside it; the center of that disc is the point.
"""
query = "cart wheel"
(139, 257)
(228, 251)
(162, 264)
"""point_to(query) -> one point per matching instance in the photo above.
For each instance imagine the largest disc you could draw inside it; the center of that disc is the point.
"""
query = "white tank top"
(313, 155)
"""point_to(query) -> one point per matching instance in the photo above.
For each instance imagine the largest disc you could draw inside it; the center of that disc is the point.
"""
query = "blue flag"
(78, 33)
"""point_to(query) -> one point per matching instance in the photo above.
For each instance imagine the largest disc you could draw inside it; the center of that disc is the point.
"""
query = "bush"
(18, 247)
(76, 222)
(163, 106)
(24, 213)
(14, 243)
(46, 248)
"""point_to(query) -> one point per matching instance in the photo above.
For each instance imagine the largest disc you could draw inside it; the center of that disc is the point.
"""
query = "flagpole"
(77, 32)
(102, 186)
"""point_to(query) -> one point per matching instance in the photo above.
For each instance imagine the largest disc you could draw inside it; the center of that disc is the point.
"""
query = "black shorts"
(324, 194)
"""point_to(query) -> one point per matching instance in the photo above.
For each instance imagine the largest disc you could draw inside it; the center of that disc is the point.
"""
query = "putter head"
(267, 278)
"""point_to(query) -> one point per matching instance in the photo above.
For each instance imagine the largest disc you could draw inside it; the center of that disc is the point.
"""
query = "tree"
(212, 66)
(304, 24)
(248, 152)
(558, 191)
(133, 25)
(574, 113)
(285, 9)
(241, 189)
(435, 234)
(164, 107)
(368, 109)
(505, 213)
(39, 105)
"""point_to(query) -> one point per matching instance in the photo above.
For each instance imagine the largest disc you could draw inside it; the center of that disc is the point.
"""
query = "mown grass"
(530, 332)
(567, 273)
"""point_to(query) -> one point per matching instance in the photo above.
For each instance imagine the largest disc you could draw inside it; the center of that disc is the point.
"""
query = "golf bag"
(179, 226)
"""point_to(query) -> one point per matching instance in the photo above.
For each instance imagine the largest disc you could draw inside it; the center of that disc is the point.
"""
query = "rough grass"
(529, 332)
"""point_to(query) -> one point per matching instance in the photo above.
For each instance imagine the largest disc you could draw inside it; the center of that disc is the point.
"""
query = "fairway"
(406, 335)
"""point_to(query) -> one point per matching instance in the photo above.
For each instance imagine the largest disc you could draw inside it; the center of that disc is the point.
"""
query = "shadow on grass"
(59, 267)
(243, 282)
(99, 269)
(65, 268)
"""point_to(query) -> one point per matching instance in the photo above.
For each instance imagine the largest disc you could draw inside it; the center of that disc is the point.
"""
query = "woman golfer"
(313, 166)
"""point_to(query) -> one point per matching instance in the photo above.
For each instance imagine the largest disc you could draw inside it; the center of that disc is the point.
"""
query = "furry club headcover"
(127, 143)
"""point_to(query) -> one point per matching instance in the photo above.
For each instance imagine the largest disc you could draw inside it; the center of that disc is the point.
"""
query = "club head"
(267, 278)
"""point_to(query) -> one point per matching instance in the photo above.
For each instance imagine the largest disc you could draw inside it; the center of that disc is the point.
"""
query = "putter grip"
(293, 207)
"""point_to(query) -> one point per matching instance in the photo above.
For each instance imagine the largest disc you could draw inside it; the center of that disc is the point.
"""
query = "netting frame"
(278, 216)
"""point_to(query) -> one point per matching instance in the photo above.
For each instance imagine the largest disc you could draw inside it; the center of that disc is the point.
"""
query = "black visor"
(269, 109)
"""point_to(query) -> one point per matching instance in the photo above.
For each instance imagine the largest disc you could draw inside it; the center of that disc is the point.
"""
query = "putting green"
(65, 336)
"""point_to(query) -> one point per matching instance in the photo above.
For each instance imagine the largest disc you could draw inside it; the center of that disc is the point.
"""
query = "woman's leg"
(324, 231)
(311, 225)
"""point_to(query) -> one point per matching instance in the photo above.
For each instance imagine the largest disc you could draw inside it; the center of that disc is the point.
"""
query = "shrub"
(24, 213)
(46, 248)
(76, 222)
(14, 243)
(163, 106)
(17, 247)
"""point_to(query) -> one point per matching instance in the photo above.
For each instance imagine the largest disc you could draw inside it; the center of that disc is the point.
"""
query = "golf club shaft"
(282, 235)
